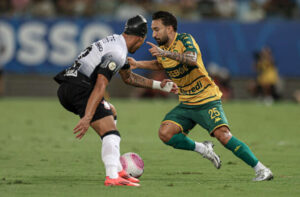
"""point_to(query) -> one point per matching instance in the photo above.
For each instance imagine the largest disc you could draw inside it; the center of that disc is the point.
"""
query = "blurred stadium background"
(38, 38)
(250, 47)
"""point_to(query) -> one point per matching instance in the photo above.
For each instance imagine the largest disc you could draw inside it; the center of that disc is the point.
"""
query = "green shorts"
(210, 116)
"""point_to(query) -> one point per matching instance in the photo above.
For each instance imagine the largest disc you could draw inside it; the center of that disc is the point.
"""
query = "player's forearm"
(93, 102)
(150, 65)
(138, 81)
(184, 58)
(96, 96)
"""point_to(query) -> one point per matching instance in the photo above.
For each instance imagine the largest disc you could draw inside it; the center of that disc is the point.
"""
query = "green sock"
(242, 151)
(180, 141)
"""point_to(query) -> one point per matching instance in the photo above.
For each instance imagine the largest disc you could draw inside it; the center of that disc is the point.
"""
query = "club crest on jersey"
(112, 66)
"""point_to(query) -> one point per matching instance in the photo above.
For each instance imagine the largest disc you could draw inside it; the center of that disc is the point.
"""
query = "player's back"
(84, 70)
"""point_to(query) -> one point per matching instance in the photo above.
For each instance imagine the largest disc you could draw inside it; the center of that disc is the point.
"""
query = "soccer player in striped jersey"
(200, 98)
(82, 86)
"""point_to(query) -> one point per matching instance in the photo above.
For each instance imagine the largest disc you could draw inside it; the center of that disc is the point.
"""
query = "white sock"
(200, 148)
(259, 166)
(120, 167)
(111, 155)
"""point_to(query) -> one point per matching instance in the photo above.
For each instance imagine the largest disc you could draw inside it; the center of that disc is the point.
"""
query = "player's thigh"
(80, 102)
(103, 120)
(179, 117)
(210, 116)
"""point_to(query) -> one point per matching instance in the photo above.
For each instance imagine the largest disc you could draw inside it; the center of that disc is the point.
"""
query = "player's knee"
(113, 109)
(222, 134)
(164, 135)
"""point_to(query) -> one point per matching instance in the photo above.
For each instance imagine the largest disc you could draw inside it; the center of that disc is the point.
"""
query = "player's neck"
(129, 40)
(171, 39)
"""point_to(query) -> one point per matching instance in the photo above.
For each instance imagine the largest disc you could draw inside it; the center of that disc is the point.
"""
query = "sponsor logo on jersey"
(179, 71)
(192, 89)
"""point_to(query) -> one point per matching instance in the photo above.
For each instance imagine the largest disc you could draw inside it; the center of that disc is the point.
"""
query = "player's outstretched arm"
(188, 58)
(94, 100)
(150, 65)
(136, 80)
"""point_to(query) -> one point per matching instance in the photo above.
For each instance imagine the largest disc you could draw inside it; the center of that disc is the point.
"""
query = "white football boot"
(264, 174)
(211, 155)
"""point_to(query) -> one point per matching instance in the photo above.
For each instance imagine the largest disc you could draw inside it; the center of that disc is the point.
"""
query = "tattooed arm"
(136, 80)
(151, 65)
(189, 58)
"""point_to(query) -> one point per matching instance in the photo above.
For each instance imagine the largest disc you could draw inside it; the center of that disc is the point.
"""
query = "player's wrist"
(88, 117)
(161, 52)
(157, 86)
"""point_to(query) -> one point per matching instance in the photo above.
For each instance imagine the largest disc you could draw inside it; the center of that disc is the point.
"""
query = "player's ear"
(142, 39)
(169, 29)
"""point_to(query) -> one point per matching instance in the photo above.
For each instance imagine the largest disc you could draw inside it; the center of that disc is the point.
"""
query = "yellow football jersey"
(195, 86)
(267, 73)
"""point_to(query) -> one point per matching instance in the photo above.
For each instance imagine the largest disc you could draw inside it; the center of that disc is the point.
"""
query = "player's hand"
(82, 127)
(132, 62)
(155, 50)
(174, 87)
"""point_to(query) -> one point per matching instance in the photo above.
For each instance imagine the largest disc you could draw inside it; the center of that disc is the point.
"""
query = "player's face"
(138, 44)
(159, 32)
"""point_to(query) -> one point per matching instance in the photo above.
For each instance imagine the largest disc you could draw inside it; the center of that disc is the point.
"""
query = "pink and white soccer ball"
(133, 164)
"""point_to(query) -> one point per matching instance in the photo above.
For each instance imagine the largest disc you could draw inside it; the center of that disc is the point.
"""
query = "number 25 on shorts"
(214, 114)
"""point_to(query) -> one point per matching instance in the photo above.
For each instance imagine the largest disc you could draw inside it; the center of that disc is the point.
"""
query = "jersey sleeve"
(189, 43)
(107, 68)
(112, 62)
(126, 65)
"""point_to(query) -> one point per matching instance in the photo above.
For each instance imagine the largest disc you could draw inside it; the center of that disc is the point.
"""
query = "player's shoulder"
(115, 44)
(113, 39)
(184, 37)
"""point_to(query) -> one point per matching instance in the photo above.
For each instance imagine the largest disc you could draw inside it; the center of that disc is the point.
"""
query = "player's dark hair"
(167, 18)
(136, 26)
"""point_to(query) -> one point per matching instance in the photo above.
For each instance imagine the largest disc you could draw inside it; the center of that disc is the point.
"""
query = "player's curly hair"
(167, 18)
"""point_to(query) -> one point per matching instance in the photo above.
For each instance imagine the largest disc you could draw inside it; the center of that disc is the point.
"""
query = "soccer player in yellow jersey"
(179, 55)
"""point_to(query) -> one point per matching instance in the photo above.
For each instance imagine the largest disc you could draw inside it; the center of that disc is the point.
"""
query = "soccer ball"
(133, 164)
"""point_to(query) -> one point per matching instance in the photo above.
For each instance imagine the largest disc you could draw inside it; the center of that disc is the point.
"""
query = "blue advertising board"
(47, 46)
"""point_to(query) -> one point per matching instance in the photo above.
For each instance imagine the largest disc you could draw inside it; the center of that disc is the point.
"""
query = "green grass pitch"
(39, 155)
